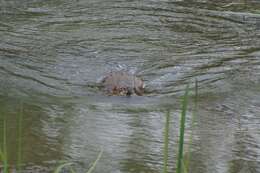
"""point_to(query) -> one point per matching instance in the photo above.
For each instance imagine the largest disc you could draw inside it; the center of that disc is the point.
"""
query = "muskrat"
(122, 83)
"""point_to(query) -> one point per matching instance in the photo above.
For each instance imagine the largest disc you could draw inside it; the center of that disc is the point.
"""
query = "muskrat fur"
(122, 83)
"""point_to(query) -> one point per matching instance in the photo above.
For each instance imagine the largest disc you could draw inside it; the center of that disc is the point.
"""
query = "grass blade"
(185, 170)
(19, 150)
(193, 116)
(72, 170)
(5, 162)
(166, 142)
(182, 129)
(59, 168)
(96, 161)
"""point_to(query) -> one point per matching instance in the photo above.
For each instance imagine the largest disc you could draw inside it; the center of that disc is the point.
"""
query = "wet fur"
(122, 83)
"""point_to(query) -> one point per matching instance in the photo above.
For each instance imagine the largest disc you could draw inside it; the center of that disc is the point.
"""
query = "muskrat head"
(123, 84)
(125, 91)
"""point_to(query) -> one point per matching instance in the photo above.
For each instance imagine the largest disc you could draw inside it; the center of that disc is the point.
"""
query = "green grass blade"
(196, 94)
(59, 168)
(96, 161)
(166, 142)
(19, 149)
(2, 154)
(182, 129)
(5, 158)
(72, 170)
(193, 118)
(2, 157)
(184, 167)
(4, 161)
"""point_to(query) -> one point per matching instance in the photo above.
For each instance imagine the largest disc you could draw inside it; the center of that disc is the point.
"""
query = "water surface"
(53, 53)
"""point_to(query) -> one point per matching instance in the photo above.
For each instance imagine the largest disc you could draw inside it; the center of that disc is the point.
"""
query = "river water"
(53, 53)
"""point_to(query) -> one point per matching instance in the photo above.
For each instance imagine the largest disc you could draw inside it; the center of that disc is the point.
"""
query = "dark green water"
(53, 53)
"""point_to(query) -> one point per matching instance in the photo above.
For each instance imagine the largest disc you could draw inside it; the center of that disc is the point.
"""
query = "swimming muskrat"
(122, 83)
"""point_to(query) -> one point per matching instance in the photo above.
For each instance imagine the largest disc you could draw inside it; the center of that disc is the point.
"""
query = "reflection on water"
(53, 53)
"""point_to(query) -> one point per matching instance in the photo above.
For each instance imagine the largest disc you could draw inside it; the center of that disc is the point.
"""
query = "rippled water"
(53, 53)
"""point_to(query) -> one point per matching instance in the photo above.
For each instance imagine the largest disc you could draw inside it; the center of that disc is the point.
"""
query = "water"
(53, 53)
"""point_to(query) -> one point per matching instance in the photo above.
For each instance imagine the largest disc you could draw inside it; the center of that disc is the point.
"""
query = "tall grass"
(3, 150)
(182, 130)
(182, 164)
(96, 161)
(166, 142)
(19, 147)
(193, 115)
